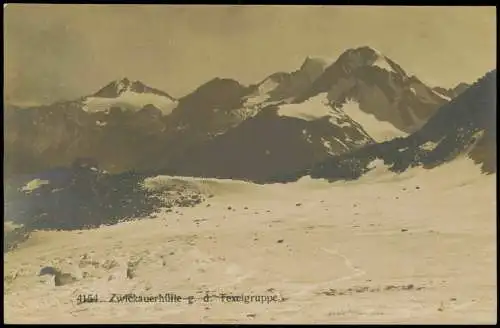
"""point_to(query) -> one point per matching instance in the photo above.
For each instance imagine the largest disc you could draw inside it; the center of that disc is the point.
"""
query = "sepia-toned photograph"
(249, 164)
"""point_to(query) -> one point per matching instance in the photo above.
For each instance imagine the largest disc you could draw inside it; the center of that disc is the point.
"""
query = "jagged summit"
(114, 88)
(365, 56)
(120, 86)
(313, 62)
(365, 51)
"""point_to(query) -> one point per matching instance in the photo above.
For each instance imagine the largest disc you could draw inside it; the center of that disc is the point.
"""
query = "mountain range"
(286, 122)
(466, 126)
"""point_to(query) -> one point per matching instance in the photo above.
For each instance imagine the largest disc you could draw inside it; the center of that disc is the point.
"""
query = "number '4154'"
(87, 298)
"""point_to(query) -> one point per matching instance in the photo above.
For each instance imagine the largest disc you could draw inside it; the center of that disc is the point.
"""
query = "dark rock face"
(466, 125)
(267, 144)
(83, 197)
(79, 198)
(210, 110)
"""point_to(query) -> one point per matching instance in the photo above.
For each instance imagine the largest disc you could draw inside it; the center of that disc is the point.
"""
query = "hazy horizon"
(56, 52)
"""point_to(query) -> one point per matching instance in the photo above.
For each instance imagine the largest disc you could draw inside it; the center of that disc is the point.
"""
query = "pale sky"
(55, 52)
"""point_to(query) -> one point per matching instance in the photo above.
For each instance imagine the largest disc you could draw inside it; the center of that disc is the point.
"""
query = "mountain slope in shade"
(452, 92)
(126, 129)
(275, 140)
(380, 87)
(208, 111)
(465, 126)
(214, 102)
(41, 139)
(217, 106)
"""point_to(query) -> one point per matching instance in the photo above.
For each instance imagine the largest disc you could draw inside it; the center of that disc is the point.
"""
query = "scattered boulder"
(130, 272)
(110, 264)
(60, 278)
(132, 267)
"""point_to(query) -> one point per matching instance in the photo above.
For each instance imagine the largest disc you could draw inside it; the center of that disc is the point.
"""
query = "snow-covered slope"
(312, 109)
(379, 130)
(129, 100)
(438, 241)
(319, 106)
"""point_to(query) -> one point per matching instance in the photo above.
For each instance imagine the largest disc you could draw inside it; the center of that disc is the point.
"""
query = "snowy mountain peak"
(365, 56)
(120, 86)
(114, 89)
(129, 95)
